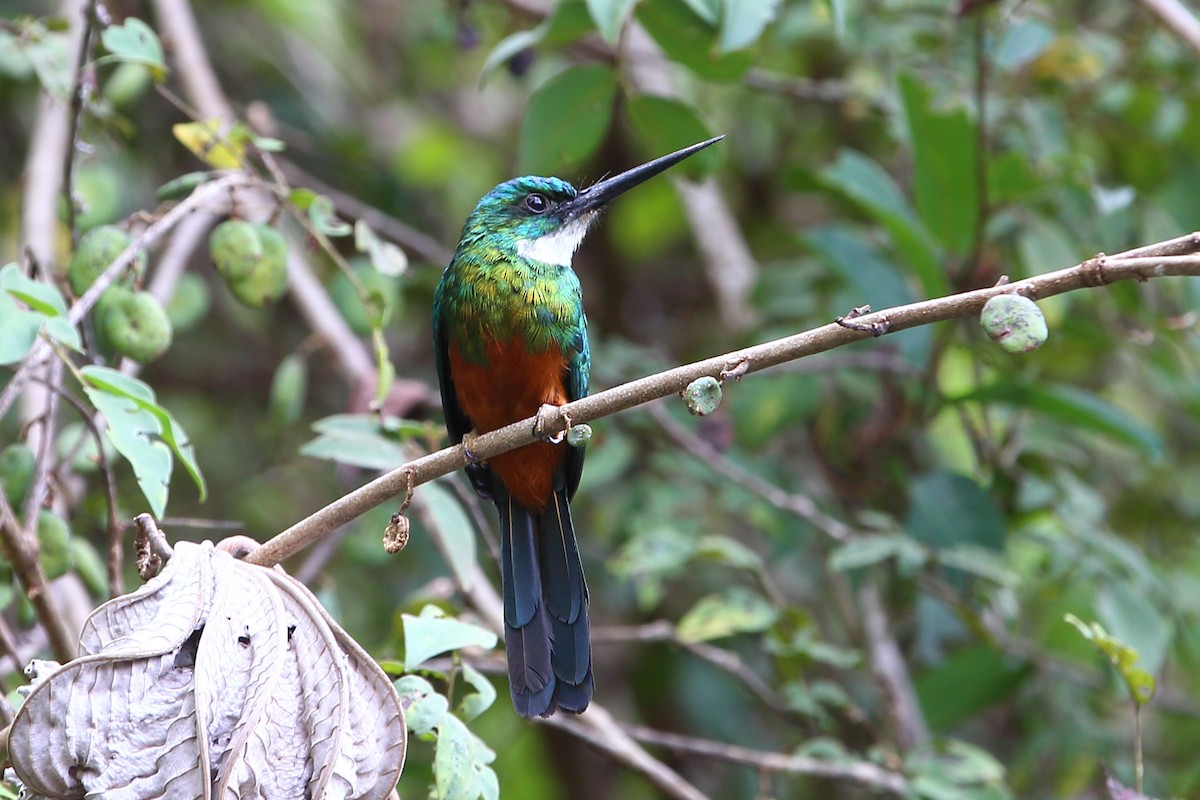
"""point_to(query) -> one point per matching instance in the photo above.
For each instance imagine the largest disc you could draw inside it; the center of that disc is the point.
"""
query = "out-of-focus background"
(864, 557)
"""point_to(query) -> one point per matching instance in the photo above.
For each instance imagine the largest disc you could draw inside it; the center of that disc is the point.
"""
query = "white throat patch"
(558, 247)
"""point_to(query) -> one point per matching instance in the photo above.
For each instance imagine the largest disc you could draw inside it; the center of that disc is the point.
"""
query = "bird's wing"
(458, 424)
(579, 368)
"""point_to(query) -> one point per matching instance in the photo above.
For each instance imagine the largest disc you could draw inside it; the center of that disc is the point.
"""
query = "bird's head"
(545, 219)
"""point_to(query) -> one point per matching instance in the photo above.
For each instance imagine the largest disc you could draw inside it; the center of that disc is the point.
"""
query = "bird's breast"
(510, 386)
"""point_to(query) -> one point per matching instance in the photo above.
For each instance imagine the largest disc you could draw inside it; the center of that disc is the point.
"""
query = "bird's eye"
(537, 203)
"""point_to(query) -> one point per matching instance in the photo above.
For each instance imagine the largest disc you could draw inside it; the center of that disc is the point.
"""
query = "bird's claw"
(542, 420)
(468, 441)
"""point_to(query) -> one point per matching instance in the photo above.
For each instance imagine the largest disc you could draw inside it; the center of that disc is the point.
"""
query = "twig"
(22, 547)
(414, 241)
(798, 504)
(1168, 258)
(1179, 18)
(598, 728)
(887, 664)
(181, 34)
(862, 772)
(728, 263)
(79, 94)
(724, 660)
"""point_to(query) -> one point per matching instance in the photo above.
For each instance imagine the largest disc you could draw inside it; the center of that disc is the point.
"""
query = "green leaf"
(509, 46)
(946, 509)
(1022, 42)
(665, 125)
(861, 179)
(944, 167)
(424, 708)
(687, 33)
(432, 633)
(874, 278)
(1044, 245)
(729, 551)
(476, 702)
(566, 119)
(385, 256)
(182, 186)
(460, 765)
(610, 17)
(979, 561)
(737, 610)
(1139, 682)
(457, 530)
(47, 310)
(1073, 407)
(135, 42)
(743, 22)
(1131, 617)
(143, 432)
(864, 551)
(967, 682)
(18, 329)
(324, 217)
(355, 439)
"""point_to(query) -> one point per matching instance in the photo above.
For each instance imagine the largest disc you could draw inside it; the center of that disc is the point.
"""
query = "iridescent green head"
(545, 219)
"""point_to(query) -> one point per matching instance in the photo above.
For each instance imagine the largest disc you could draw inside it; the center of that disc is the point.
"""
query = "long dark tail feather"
(545, 608)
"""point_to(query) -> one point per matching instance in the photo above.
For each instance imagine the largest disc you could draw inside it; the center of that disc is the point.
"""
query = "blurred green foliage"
(866, 161)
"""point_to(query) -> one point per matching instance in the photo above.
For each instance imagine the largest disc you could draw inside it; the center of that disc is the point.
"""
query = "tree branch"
(1171, 257)
(862, 772)
(1179, 18)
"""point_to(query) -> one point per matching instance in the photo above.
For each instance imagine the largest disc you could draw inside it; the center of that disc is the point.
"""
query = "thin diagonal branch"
(1172, 257)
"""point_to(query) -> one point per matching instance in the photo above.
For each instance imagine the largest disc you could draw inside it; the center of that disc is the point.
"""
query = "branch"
(1172, 257)
(1178, 18)
(863, 772)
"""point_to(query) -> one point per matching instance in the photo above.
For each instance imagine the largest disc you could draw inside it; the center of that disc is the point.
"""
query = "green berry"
(16, 472)
(190, 302)
(702, 396)
(579, 435)
(267, 281)
(1014, 322)
(236, 248)
(54, 540)
(136, 326)
(98, 248)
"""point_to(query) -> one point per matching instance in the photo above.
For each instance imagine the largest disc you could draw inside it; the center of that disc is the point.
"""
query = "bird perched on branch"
(510, 336)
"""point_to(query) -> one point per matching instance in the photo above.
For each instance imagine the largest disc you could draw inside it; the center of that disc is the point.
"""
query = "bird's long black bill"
(600, 193)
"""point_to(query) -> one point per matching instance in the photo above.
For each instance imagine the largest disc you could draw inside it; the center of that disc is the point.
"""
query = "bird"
(510, 336)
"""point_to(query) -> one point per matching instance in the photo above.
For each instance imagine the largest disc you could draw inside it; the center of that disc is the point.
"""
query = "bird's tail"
(545, 608)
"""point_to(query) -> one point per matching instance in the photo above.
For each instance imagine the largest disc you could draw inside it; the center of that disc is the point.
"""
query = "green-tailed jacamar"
(510, 335)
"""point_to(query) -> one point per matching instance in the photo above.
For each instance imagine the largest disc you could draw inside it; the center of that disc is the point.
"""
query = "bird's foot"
(468, 441)
(543, 419)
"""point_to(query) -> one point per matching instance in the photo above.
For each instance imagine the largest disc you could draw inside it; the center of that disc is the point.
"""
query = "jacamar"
(510, 336)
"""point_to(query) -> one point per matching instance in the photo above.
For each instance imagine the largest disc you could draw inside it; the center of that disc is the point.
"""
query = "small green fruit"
(54, 539)
(190, 302)
(579, 435)
(98, 248)
(136, 326)
(16, 472)
(236, 248)
(702, 396)
(1014, 322)
(89, 566)
(267, 281)
(288, 388)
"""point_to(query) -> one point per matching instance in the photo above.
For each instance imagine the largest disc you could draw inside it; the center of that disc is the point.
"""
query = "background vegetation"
(850, 579)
